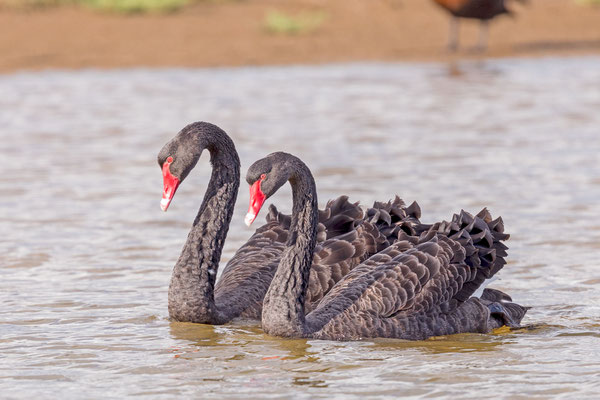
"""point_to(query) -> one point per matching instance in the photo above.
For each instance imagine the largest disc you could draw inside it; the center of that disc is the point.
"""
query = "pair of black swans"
(340, 273)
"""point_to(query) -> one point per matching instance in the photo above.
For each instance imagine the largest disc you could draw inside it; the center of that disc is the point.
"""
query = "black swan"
(344, 238)
(420, 286)
(483, 10)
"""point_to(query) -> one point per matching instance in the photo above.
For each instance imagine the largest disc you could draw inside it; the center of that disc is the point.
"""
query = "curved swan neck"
(191, 292)
(283, 307)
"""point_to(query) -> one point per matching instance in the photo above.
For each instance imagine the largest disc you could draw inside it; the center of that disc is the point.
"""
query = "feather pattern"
(409, 292)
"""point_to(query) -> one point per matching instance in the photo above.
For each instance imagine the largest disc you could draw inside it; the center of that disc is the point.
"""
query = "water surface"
(86, 253)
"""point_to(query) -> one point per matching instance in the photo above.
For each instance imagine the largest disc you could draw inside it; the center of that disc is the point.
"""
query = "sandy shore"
(233, 33)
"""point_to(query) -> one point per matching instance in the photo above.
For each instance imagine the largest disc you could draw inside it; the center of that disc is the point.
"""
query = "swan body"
(420, 286)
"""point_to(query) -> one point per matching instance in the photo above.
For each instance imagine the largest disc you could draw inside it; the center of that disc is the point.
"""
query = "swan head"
(180, 155)
(265, 177)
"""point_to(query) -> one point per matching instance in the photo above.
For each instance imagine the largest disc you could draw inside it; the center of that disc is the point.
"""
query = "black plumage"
(420, 285)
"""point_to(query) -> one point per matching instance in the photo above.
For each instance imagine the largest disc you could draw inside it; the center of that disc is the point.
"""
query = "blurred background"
(378, 97)
(38, 34)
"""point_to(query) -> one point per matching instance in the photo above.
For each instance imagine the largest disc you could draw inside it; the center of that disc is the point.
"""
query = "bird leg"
(453, 36)
(483, 36)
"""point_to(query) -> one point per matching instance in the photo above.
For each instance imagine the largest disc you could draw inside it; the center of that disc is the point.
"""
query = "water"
(86, 253)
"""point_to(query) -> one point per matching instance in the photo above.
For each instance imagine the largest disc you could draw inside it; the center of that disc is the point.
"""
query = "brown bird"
(483, 10)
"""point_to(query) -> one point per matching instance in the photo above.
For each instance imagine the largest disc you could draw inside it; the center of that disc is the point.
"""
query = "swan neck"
(283, 308)
(191, 292)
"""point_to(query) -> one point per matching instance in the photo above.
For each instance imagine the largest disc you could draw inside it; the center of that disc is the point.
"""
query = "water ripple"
(87, 254)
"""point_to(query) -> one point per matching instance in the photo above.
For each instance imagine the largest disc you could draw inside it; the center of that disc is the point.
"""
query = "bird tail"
(502, 310)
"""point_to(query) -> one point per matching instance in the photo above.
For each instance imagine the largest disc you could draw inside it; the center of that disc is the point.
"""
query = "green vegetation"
(280, 23)
(136, 6)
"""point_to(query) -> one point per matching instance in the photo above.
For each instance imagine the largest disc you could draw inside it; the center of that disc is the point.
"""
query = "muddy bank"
(233, 33)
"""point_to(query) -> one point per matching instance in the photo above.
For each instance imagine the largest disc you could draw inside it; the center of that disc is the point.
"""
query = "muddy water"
(86, 253)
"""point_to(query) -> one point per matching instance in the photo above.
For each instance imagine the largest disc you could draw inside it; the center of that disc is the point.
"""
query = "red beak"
(257, 198)
(170, 184)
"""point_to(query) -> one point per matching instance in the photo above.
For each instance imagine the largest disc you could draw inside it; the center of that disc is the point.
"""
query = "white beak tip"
(164, 204)
(249, 219)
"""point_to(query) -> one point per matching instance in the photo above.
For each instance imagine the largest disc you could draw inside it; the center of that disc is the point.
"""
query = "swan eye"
(263, 176)
(170, 159)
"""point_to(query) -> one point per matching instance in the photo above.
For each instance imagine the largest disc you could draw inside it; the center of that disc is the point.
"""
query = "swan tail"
(503, 312)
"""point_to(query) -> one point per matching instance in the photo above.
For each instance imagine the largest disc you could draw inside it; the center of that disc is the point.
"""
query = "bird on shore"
(483, 10)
